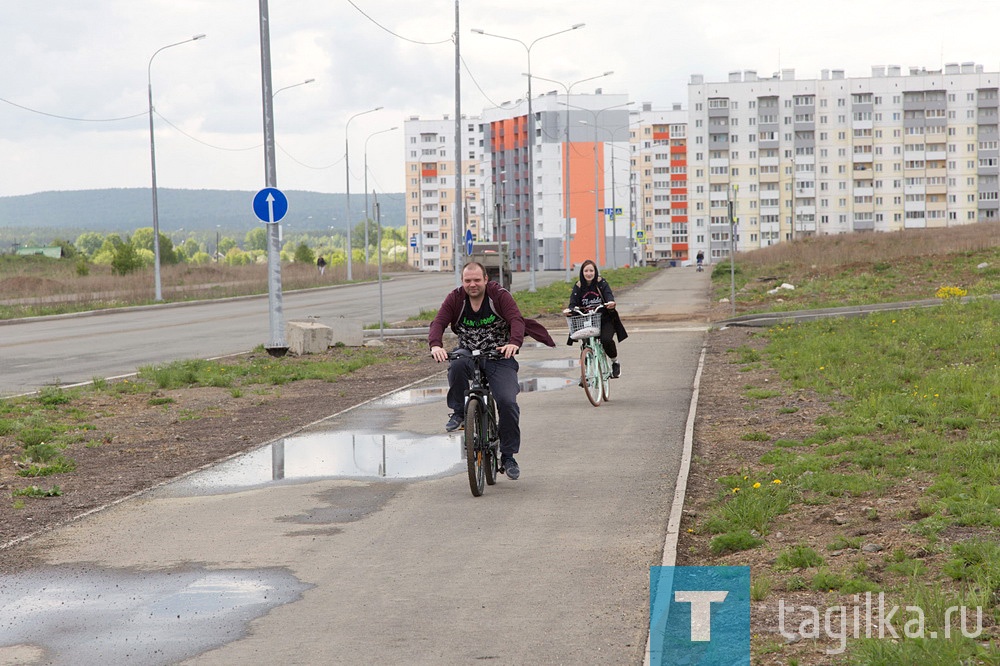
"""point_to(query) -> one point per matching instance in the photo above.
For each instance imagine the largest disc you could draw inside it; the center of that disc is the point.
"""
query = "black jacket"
(606, 295)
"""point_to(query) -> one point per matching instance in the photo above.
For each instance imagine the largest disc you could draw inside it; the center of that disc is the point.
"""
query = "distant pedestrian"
(321, 264)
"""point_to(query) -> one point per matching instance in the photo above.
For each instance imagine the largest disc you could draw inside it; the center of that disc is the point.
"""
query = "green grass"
(798, 557)
(914, 402)
(35, 491)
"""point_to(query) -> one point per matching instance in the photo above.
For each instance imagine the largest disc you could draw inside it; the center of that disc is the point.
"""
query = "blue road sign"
(468, 241)
(413, 241)
(270, 204)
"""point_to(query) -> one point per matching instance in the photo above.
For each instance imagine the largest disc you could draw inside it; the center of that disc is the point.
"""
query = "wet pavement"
(91, 615)
(357, 540)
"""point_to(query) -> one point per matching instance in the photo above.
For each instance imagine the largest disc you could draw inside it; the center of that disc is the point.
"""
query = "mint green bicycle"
(595, 367)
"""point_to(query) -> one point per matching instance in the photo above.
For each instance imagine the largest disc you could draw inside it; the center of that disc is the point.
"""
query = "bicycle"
(595, 367)
(482, 433)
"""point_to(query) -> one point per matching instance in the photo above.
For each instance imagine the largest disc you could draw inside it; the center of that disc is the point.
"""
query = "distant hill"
(124, 210)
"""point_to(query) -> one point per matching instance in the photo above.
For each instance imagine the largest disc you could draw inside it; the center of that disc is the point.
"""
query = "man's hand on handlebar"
(508, 350)
(439, 354)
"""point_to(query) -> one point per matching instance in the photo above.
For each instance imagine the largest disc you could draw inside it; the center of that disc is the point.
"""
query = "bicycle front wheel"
(475, 445)
(590, 375)
(605, 376)
(491, 455)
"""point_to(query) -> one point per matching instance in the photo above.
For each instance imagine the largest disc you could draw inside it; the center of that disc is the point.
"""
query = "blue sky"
(89, 61)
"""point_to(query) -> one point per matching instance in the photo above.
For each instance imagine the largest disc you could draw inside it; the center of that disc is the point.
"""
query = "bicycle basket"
(585, 326)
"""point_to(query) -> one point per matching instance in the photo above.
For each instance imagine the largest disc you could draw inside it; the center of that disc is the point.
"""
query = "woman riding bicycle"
(590, 291)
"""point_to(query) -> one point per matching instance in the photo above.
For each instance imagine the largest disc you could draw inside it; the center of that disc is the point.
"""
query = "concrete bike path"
(552, 568)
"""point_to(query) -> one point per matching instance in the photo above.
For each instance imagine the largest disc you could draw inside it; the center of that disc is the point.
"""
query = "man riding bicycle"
(484, 316)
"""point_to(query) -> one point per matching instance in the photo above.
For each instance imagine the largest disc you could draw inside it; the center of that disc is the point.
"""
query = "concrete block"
(307, 337)
(348, 332)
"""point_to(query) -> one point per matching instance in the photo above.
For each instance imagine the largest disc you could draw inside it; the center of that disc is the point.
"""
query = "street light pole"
(347, 174)
(531, 141)
(152, 161)
(566, 197)
(294, 85)
(366, 184)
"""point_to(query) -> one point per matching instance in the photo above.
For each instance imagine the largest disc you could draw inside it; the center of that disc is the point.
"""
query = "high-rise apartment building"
(582, 140)
(431, 210)
(659, 184)
(836, 155)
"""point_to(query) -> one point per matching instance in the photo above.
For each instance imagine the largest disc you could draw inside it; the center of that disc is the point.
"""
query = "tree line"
(129, 253)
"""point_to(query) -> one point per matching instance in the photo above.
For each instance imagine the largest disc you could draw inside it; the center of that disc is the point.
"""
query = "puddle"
(330, 455)
(555, 364)
(116, 617)
(439, 393)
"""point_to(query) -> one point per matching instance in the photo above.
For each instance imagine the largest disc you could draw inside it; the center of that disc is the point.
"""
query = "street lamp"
(531, 139)
(366, 184)
(569, 89)
(347, 174)
(294, 85)
(152, 161)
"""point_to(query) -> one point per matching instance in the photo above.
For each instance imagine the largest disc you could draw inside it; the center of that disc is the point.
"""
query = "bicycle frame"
(595, 368)
(482, 432)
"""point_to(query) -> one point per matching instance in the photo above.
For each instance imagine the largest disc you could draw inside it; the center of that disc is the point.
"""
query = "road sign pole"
(270, 205)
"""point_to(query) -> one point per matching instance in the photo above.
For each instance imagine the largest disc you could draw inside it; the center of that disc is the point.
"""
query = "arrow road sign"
(270, 205)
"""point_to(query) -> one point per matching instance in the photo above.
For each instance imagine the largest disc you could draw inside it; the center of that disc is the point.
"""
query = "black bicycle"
(482, 434)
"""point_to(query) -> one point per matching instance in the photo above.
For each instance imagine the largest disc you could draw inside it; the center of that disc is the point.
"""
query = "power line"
(79, 120)
(394, 34)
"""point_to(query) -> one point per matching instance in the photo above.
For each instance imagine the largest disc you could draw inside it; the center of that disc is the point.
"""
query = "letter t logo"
(701, 610)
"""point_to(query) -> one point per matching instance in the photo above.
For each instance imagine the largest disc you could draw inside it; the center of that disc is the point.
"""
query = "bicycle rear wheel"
(590, 375)
(475, 445)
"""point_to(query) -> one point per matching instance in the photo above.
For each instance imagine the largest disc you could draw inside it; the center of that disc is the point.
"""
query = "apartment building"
(581, 140)
(432, 217)
(659, 184)
(787, 158)
(579, 178)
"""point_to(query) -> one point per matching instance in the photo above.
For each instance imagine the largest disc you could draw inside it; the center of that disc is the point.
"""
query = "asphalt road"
(352, 569)
(69, 349)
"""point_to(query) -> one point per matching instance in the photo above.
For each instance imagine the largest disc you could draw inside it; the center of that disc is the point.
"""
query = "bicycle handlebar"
(465, 353)
(578, 311)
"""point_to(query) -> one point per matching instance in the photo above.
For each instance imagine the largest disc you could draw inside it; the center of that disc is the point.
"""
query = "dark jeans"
(608, 336)
(502, 377)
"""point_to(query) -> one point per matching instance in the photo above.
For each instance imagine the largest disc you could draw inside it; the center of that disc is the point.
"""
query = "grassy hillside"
(859, 269)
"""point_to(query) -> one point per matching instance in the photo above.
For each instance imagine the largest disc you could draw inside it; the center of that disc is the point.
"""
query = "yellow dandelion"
(757, 485)
(777, 482)
(822, 367)
(736, 490)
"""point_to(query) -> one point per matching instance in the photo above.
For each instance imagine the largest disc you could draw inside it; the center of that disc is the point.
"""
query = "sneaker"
(616, 370)
(455, 421)
(510, 467)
